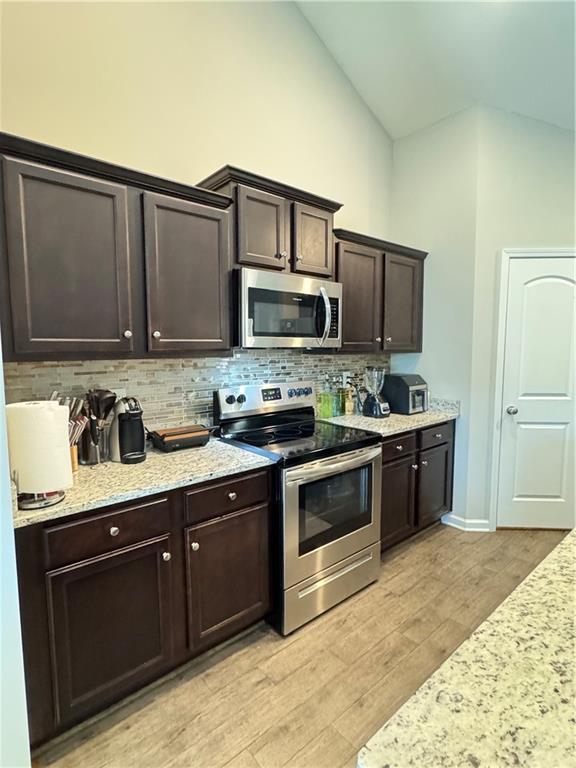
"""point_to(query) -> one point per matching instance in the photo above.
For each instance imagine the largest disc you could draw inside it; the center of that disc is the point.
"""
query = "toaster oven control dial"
(231, 399)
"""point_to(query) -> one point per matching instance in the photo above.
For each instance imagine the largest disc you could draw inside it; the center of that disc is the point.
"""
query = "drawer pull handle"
(166, 556)
(414, 467)
(424, 463)
(399, 447)
(232, 495)
(195, 546)
(114, 531)
(438, 435)
(388, 339)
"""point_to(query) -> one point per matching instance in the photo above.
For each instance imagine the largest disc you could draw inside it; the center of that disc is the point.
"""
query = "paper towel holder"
(39, 500)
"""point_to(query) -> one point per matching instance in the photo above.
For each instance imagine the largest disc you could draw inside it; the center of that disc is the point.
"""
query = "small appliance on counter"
(39, 452)
(93, 446)
(127, 434)
(375, 404)
(407, 393)
(175, 438)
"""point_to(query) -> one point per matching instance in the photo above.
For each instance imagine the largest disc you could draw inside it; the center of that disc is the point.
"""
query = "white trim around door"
(508, 255)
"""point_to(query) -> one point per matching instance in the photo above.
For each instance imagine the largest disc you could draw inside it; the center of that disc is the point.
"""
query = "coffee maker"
(127, 435)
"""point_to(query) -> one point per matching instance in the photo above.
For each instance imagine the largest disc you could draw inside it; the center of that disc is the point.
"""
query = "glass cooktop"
(297, 442)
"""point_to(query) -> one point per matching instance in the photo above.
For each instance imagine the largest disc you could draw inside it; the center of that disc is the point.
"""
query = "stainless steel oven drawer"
(326, 589)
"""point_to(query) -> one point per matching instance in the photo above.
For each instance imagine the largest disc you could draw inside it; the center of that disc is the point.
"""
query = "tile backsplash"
(178, 391)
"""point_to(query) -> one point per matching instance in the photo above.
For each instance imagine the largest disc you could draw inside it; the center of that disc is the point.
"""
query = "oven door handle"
(328, 312)
(325, 468)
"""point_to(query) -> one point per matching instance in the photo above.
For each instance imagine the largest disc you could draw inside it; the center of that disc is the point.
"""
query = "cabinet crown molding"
(25, 149)
(382, 245)
(230, 174)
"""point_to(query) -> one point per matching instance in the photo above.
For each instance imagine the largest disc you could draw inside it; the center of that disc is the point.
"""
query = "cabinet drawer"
(398, 446)
(216, 500)
(71, 542)
(441, 433)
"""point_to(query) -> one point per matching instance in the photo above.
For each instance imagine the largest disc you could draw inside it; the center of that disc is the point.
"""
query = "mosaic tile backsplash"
(174, 391)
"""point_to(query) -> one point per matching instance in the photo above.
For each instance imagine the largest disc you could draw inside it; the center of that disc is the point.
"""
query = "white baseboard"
(464, 524)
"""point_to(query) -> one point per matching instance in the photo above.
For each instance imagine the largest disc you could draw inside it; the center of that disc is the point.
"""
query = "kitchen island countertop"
(397, 423)
(506, 696)
(111, 483)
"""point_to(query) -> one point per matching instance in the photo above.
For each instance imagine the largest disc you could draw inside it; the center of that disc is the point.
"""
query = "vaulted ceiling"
(415, 63)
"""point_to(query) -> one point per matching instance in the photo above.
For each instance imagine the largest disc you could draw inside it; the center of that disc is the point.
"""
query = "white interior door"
(536, 467)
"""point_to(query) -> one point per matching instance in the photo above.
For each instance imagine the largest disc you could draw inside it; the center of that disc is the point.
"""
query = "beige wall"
(525, 199)
(434, 207)
(181, 89)
(471, 185)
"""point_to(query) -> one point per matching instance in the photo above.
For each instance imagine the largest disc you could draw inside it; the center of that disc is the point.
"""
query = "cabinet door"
(68, 257)
(403, 280)
(398, 500)
(187, 274)
(110, 624)
(434, 484)
(359, 270)
(228, 576)
(312, 243)
(263, 231)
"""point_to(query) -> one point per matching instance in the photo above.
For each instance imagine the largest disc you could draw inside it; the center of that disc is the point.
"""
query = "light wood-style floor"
(313, 699)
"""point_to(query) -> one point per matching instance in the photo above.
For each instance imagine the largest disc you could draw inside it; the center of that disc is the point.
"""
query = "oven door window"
(334, 507)
(285, 314)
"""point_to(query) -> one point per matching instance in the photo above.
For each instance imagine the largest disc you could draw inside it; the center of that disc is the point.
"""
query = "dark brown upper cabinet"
(187, 275)
(68, 261)
(400, 328)
(304, 244)
(263, 229)
(403, 283)
(72, 259)
(313, 245)
(359, 269)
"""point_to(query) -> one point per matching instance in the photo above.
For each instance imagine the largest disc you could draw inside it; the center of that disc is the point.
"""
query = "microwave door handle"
(328, 312)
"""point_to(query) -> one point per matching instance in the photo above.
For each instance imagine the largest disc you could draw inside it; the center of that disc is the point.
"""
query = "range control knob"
(308, 391)
(231, 399)
(291, 392)
(241, 399)
(299, 392)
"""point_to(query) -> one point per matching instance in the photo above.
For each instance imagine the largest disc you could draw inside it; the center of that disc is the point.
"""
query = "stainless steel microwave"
(281, 310)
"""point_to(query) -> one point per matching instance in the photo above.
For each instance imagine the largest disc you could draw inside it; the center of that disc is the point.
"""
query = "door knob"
(166, 556)
(378, 339)
(512, 410)
(156, 334)
(195, 546)
(388, 339)
(299, 257)
(127, 334)
(414, 467)
(424, 463)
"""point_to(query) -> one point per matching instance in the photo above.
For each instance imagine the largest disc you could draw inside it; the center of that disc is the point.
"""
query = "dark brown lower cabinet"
(398, 500)
(110, 626)
(228, 581)
(417, 488)
(434, 484)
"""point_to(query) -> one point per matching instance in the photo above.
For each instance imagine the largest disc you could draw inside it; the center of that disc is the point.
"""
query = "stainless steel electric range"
(328, 493)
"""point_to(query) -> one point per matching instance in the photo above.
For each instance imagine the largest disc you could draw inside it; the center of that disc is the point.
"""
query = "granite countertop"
(396, 423)
(110, 483)
(506, 696)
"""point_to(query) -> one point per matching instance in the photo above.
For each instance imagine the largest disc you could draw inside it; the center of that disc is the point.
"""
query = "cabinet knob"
(512, 410)
(299, 257)
(438, 435)
(399, 447)
(195, 546)
(128, 334)
(378, 339)
(166, 556)
(414, 467)
(388, 339)
(232, 495)
(114, 531)
(424, 463)
(156, 334)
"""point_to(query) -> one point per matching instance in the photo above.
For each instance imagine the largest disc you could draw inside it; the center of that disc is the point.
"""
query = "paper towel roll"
(38, 446)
